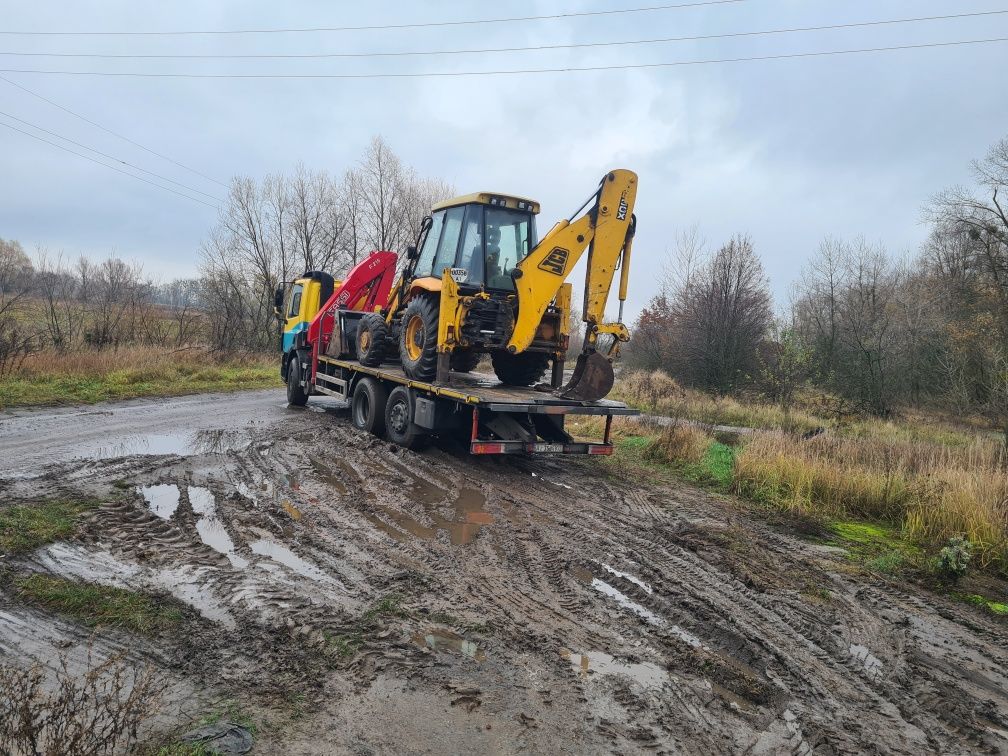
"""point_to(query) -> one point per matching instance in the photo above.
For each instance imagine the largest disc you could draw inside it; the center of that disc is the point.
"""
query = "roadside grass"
(25, 527)
(891, 503)
(657, 393)
(928, 491)
(99, 605)
(997, 608)
(86, 377)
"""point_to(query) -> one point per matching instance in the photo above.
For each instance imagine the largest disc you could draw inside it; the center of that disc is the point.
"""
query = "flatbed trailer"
(497, 419)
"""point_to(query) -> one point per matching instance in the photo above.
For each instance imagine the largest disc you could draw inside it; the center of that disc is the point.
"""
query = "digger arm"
(606, 230)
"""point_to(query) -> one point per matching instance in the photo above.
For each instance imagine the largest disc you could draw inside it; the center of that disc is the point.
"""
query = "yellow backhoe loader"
(478, 282)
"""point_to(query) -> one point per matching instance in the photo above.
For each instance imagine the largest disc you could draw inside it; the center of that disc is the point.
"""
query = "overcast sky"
(788, 151)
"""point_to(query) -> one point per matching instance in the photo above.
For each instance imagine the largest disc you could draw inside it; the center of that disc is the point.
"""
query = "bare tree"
(721, 307)
(17, 340)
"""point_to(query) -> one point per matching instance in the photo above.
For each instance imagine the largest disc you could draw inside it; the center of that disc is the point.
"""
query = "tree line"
(267, 233)
(875, 331)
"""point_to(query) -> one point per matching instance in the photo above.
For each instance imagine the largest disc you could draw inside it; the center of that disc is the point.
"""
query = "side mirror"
(278, 298)
(412, 253)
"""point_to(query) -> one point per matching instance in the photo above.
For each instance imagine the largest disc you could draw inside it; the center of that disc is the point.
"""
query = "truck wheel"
(418, 335)
(399, 425)
(521, 369)
(465, 361)
(297, 396)
(372, 333)
(367, 408)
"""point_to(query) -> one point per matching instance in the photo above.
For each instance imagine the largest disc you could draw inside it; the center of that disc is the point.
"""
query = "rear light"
(487, 447)
(603, 449)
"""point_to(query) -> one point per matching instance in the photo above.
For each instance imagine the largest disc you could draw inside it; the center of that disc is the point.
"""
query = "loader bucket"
(592, 380)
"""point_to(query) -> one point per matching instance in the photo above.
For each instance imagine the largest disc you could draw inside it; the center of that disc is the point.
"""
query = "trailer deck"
(494, 406)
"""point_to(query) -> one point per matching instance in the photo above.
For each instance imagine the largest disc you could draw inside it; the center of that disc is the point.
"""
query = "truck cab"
(295, 306)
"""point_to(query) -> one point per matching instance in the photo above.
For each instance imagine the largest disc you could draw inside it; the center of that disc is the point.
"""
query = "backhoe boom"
(606, 231)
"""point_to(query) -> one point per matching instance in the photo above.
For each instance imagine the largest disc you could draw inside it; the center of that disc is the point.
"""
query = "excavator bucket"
(592, 380)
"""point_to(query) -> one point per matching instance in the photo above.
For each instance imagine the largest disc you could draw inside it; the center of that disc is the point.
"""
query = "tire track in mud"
(564, 606)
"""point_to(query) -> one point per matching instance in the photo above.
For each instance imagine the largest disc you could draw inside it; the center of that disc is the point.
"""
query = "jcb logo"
(622, 210)
(555, 262)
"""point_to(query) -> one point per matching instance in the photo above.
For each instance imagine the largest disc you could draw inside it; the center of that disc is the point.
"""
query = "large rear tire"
(465, 360)
(399, 425)
(372, 334)
(297, 396)
(521, 369)
(367, 408)
(418, 334)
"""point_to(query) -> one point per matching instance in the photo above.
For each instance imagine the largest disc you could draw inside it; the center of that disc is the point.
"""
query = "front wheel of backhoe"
(418, 334)
(521, 369)
(372, 333)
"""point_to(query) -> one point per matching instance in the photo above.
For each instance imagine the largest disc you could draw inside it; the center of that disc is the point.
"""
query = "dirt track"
(546, 605)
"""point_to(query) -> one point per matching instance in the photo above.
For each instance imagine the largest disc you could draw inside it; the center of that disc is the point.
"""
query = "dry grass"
(657, 393)
(679, 444)
(89, 376)
(933, 491)
(100, 710)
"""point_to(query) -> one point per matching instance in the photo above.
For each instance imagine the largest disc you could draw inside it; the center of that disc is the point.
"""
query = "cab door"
(294, 323)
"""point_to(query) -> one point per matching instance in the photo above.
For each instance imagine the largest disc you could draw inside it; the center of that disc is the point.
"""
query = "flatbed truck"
(496, 419)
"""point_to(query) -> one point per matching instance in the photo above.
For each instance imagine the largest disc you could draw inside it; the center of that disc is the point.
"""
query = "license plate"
(548, 448)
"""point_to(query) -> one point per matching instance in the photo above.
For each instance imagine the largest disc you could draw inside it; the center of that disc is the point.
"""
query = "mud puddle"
(280, 554)
(184, 582)
(635, 607)
(161, 444)
(162, 499)
(468, 517)
(589, 663)
(210, 527)
(440, 639)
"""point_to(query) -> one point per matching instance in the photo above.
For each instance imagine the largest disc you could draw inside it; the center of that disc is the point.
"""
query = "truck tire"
(418, 335)
(399, 426)
(297, 396)
(367, 408)
(521, 369)
(465, 360)
(372, 334)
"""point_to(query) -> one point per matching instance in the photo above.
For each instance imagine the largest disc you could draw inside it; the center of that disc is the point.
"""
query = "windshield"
(510, 236)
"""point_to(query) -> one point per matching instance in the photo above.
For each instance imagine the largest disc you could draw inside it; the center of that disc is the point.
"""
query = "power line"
(575, 45)
(106, 165)
(109, 157)
(110, 131)
(417, 25)
(510, 72)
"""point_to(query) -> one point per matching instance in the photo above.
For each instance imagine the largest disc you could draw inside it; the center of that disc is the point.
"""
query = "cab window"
(470, 254)
(426, 259)
(449, 242)
(295, 301)
(510, 236)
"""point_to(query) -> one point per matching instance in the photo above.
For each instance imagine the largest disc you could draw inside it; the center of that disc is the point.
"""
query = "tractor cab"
(480, 237)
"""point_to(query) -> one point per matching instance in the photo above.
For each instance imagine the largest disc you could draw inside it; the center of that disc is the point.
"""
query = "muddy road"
(375, 600)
